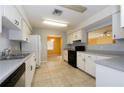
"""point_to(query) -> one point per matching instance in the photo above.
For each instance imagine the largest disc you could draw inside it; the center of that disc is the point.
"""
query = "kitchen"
(92, 45)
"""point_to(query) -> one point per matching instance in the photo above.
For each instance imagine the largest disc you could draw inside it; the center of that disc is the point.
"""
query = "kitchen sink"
(14, 56)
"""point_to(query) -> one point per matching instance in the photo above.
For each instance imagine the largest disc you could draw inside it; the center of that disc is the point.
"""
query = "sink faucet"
(6, 52)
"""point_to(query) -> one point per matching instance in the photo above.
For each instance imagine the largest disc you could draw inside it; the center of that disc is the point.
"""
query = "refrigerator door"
(34, 45)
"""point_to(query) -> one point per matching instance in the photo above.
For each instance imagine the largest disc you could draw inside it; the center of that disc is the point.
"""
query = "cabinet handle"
(114, 36)
(83, 59)
(31, 68)
(26, 39)
(89, 56)
(15, 22)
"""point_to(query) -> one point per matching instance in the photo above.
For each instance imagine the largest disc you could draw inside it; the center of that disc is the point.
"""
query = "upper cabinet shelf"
(11, 17)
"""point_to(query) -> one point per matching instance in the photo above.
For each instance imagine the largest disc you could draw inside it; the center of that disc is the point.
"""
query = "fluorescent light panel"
(55, 23)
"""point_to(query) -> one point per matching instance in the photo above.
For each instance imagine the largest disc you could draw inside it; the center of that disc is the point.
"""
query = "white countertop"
(115, 62)
(7, 67)
(101, 54)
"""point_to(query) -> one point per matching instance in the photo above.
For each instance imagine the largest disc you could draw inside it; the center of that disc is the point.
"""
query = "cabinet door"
(30, 70)
(11, 13)
(79, 35)
(33, 66)
(81, 60)
(28, 75)
(117, 31)
(122, 15)
(0, 18)
(25, 31)
(108, 77)
(90, 66)
(66, 55)
(75, 36)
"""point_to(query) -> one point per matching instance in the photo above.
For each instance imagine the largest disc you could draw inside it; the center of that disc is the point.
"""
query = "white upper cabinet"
(0, 18)
(118, 32)
(70, 38)
(12, 17)
(122, 15)
(77, 35)
(22, 35)
(74, 36)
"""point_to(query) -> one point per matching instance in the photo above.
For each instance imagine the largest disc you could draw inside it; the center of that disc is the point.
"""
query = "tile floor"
(56, 73)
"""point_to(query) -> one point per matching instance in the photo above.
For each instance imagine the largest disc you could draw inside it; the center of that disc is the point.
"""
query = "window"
(50, 45)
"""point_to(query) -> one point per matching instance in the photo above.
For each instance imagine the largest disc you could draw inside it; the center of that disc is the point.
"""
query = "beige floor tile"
(56, 73)
(43, 83)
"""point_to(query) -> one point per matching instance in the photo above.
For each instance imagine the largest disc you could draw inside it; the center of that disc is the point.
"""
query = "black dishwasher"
(14, 77)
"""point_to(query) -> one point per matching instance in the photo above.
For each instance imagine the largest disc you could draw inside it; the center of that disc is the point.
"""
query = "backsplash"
(119, 46)
(72, 46)
(6, 43)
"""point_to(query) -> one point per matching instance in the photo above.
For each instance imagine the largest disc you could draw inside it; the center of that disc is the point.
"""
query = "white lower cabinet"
(65, 55)
(108, 77)
(86, 62)
(90, 66)
(30, 70)
(81, 60)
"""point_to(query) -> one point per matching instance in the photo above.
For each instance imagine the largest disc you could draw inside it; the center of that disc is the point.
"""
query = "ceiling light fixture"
(55, 23)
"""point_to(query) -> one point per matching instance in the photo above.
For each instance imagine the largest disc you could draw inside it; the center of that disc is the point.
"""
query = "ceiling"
(37, 13)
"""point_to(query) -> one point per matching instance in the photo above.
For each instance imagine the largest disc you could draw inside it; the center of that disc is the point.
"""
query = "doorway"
(54, 46)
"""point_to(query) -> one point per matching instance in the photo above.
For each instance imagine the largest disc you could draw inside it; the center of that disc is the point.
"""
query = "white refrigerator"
(34, 45)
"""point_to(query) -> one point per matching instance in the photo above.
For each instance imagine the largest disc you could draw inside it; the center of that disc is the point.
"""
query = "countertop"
(106, 54)
(7, 67)
(114, 63)
(116, 60)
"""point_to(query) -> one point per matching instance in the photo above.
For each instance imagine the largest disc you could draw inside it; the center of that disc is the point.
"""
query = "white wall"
(110, 10)
(5, 42)
(44, 33)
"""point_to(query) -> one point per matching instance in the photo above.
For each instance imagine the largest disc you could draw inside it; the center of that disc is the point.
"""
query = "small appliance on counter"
(72, 55)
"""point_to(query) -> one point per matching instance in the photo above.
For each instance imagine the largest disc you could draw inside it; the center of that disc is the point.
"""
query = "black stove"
(72, 55)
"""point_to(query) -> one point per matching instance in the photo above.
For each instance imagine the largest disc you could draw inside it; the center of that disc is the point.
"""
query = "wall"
(44, 33)
(110, 10)
(5, 43)
(118, 46)
(57, 46)
(87, 26)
